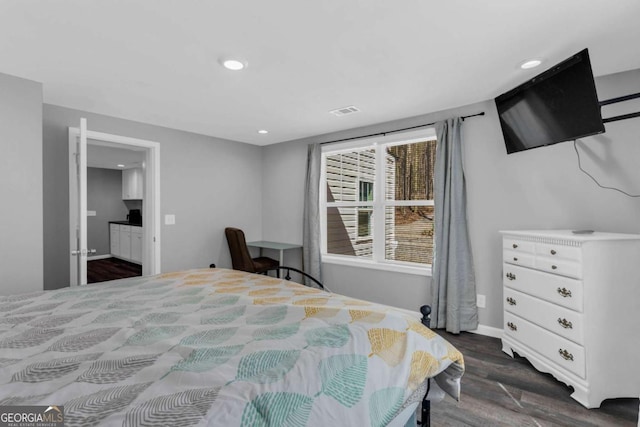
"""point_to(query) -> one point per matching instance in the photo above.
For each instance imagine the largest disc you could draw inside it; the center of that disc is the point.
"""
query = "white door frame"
(151, 259)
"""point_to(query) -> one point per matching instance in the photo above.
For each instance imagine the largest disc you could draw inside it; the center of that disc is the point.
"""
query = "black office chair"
(241, 258)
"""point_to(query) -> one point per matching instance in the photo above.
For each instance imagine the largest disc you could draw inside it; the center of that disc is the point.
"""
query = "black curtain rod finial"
(473, 115)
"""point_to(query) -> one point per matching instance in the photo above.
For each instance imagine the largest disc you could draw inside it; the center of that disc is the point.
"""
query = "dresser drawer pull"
(515, 259)
(554, 267)
(553, 252)
(511, 301)
(565, 293)
(565, 323)
(511, 276)
(565, 354)
(515, 246)
(512, 326)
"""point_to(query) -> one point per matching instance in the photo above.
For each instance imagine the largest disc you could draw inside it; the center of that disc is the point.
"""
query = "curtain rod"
(396, 130)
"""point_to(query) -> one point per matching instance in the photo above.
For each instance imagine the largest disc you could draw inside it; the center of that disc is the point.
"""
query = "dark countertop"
(125, 223)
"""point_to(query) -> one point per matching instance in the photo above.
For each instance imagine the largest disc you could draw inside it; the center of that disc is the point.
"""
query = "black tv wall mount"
(615, 101)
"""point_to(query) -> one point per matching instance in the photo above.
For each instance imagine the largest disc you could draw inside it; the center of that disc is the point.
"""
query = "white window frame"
(378, 205)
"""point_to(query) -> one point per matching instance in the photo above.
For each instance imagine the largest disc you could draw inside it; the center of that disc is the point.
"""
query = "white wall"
(207, 183)
(20, 185)
(541, 188)
(284, 168)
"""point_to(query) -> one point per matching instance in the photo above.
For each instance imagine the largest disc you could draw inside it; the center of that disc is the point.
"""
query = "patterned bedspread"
(215, 347)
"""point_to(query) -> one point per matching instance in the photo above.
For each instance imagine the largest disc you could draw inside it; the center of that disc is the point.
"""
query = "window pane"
(344, 228)
(409, 171)
(364, 222)
(345, 171)
(409, 234)
(366, 191)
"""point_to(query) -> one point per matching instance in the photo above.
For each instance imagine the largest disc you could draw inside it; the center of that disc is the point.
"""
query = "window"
(364, 214)
(366, 191)
(364, 222)
(378, 201)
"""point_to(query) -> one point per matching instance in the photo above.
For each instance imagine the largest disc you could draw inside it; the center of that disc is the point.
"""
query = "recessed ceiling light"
(233, 64)
(120, 166)
(263, 131)
(531, 63)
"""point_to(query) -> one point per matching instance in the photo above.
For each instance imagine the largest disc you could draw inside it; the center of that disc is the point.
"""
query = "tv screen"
(558, 105)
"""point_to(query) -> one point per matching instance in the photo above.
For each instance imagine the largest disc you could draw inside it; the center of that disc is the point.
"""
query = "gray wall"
(207, 183)
(104, 196)
(536, 189)
(20, 185)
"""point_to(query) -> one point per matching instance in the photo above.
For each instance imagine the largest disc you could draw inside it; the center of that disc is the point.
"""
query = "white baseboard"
(95, 257)
(488, 331)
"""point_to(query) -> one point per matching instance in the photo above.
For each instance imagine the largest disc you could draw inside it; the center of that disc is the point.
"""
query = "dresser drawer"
(559, 266)
(520, 246)
(572, 253)
(556, 319)
(556, 289)
(561, 351)
(517, 258)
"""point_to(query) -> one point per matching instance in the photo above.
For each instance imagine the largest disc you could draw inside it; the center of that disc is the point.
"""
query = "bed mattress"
(216, 347)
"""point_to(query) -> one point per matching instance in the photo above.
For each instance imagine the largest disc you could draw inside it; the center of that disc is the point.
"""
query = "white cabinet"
(571, 308)
(126, 242)
(114, 239)
(136, 244)
(132, 184)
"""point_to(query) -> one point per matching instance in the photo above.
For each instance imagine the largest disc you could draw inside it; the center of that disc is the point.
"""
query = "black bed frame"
(425, 412)
(287, 275)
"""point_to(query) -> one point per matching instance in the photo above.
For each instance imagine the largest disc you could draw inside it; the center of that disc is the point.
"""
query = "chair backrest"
(240, 256)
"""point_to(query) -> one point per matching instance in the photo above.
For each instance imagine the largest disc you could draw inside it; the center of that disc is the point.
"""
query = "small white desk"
(263, 244)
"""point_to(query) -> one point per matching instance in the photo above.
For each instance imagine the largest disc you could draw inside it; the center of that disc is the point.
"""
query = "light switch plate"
(169, 219)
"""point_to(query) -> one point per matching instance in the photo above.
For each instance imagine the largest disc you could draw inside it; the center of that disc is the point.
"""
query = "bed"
(217, 347)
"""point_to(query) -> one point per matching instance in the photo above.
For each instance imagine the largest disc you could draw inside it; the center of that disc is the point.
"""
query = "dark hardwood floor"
(101, 270)
(500, 391)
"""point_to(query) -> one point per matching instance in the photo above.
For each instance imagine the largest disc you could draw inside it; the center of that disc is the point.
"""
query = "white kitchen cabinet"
(571, 308)
(126, 242)
(136, 244)
(132, 184)
(114, 239)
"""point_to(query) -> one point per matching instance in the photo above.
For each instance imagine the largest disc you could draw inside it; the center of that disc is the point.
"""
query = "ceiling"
(158, 61)
(110, 155)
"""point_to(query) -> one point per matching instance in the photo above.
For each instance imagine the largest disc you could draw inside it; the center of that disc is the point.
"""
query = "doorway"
(145, 158)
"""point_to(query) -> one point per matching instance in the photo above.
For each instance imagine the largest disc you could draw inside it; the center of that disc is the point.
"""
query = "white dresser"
(572, 308)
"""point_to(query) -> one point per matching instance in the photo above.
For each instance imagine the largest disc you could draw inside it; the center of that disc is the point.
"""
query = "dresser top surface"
(568, 234)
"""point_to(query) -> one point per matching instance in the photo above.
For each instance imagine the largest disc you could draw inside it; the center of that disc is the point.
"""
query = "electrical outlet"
(169, 219)
(481, 301)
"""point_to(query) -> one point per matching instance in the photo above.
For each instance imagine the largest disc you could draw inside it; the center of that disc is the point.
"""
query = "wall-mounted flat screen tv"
(558, 105)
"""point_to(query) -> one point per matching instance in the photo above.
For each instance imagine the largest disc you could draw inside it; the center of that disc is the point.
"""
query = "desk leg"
(281, 256)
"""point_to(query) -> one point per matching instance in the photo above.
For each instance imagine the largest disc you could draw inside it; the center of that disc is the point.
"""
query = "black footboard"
(288, 270)
(425, 413)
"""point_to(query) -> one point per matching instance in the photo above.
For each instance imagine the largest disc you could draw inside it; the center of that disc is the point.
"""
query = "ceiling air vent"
(344, 111)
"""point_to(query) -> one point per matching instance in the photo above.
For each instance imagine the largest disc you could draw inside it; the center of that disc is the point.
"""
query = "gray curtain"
(311, 223)
(453, 286)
